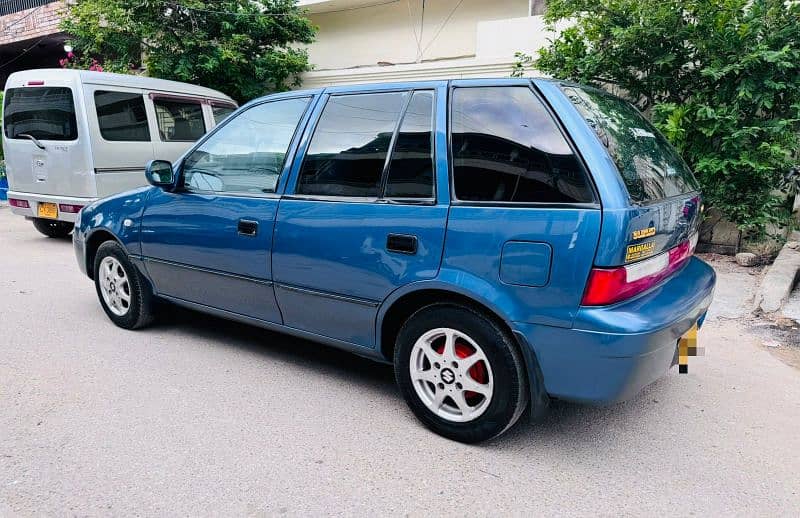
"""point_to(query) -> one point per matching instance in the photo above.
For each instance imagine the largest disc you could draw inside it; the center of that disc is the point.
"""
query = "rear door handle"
(247, 227)
(402, 243)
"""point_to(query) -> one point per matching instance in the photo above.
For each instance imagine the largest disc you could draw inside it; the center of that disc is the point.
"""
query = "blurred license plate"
(48, 210)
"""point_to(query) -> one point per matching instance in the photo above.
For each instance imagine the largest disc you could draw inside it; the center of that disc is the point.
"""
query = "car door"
(363, 216)
(209, 241)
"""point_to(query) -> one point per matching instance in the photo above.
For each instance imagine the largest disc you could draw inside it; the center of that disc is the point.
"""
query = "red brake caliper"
(477, 372)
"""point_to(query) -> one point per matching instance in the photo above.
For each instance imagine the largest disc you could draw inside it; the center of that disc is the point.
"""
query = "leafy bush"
(720, 78)
(241, 47)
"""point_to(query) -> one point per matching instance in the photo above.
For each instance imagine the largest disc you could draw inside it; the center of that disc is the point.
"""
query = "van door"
(179, 122)
(120, 136)
(46, 145)
(210, 241)
(525, 216)
(363, 218)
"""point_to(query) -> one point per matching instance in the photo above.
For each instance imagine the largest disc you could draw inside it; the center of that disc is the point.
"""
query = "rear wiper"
(34, 139)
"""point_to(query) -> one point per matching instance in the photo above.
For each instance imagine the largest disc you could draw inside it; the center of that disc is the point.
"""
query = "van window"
(650, 167)
(179, 121)
(507, 148)
(247, 154)
(411, 166)
(46, 113)
(121, 116)
(221, 112)
(348, 151)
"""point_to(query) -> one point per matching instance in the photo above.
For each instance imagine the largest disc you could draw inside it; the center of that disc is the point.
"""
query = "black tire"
(510, 394)
(53, 228)
(139, 311)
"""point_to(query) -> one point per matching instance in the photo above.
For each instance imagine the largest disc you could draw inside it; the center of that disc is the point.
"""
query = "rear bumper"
(34, 199)
(613, 352)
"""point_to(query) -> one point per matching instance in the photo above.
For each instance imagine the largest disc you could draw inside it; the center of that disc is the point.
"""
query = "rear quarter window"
(506, 147)
(650, 167)
(45, 113)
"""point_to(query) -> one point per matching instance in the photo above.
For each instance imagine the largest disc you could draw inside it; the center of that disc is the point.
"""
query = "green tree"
(720, 78)
(244, 48)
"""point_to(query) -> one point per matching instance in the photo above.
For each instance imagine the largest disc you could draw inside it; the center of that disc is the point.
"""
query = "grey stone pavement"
(200, 417)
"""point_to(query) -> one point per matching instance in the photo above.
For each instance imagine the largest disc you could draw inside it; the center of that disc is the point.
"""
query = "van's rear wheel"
(460, 373)
(51, 228)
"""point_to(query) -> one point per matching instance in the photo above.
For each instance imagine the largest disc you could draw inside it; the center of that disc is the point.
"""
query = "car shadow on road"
(578, 423)
(283, 347)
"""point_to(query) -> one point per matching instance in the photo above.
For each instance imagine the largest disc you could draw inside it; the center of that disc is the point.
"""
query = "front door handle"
(402, 243)
(247, 227)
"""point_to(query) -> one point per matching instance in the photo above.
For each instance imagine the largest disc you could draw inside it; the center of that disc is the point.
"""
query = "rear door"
(525, 216)
(121, 136)
(58, 162)
(363, 217)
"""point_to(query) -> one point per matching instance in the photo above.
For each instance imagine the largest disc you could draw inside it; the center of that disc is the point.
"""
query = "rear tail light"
(20, 204)
(35, 83)
(610, 285)
(66, 207)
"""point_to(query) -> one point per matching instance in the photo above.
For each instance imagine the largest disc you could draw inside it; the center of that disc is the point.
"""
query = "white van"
(74, 136)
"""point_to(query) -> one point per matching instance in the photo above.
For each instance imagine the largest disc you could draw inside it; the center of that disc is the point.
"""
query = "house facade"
(362, 41)
(29, 35)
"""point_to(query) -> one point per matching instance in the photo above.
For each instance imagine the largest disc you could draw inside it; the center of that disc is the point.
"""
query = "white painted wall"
(377, 40)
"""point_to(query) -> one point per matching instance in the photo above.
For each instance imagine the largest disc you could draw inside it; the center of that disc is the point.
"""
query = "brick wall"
(31, 23)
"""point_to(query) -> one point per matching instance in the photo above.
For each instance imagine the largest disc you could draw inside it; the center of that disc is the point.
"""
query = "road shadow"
(577, 423)
(275, 346)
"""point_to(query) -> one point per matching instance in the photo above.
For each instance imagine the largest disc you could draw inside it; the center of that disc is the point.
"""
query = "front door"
(209, 242)
(364, 218)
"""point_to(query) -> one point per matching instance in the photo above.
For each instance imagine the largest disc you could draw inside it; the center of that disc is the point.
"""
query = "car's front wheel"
(460, 373)
(124, 294)
(53, 228)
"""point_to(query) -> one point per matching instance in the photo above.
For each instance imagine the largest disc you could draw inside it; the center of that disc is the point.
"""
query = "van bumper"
(613, 352)
(34, 200)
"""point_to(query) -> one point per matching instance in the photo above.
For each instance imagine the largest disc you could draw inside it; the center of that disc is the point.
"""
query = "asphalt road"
(198, 416)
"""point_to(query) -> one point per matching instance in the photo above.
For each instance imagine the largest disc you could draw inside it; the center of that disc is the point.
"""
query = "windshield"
(45, 113)
(650, 167)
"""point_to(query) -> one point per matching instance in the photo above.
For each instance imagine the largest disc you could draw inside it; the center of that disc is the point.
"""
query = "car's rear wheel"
(53, 228)
(460, 373)
(124, 294)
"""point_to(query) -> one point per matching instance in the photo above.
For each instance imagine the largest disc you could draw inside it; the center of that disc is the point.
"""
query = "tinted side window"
(46, 113)
(411, 166)
(121, 116)
(507, 148)
(247, 154)
(179, 121)
(348, 151)
(221, 112)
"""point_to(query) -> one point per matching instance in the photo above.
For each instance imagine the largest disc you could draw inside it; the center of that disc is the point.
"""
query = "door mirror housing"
(160, 173)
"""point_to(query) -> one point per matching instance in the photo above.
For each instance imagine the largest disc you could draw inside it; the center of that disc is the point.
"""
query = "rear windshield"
(650, 167)
(45, 113)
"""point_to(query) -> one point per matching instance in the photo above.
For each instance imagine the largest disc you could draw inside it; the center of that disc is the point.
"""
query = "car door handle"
(247, 227)
(402, 243)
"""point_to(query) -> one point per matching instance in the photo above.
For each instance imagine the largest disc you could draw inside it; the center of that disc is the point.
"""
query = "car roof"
(376, 87)
(111, 79)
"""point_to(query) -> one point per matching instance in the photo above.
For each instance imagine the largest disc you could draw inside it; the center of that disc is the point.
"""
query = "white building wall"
(370, 41)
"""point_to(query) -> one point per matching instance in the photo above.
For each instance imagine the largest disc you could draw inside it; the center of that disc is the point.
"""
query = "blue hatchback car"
(501, 242)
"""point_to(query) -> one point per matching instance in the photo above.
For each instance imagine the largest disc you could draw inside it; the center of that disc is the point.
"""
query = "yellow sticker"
(640, 251)
(644, 232)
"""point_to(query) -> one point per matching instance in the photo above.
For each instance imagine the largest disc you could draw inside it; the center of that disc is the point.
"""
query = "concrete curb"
(780, 279)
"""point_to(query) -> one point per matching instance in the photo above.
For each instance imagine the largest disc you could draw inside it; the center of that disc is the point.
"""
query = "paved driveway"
(201, 417)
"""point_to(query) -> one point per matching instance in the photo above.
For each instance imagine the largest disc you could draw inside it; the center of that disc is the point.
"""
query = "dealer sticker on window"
(640, 251)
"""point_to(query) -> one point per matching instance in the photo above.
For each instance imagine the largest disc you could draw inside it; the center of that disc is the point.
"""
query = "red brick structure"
(29, 35)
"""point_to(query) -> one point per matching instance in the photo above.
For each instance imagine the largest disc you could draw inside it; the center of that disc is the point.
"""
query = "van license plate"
(48, 210)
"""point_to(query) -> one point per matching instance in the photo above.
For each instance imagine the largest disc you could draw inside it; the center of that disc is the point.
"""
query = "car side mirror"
(160, 173)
